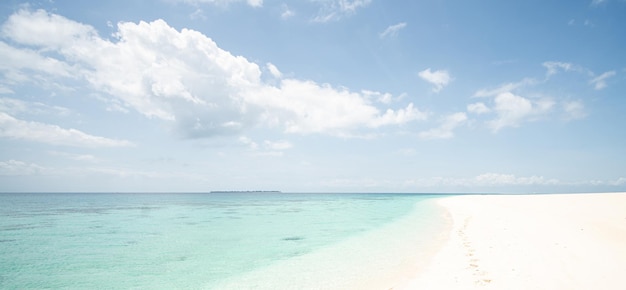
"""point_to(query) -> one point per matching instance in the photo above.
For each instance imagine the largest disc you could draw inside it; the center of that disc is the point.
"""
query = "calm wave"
(107, 240)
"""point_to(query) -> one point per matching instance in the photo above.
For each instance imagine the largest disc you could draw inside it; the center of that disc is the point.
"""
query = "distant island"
(245, 191)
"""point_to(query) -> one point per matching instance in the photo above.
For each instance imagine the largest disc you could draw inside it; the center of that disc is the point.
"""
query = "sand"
(564, 241)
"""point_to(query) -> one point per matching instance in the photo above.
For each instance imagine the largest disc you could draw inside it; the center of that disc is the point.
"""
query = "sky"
(425, 96)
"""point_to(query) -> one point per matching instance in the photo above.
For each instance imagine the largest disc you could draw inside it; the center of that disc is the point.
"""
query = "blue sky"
(318, 95)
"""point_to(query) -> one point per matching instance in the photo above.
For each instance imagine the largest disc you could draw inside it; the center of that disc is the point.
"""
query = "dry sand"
(564, 241)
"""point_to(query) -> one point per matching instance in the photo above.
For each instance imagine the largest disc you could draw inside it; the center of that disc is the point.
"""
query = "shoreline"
(379, 258)
(561, 241)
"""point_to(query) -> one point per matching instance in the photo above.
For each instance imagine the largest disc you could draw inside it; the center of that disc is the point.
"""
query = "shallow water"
(206, 241)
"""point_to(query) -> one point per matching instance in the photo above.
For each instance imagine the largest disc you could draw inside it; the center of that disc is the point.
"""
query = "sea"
(231, 240)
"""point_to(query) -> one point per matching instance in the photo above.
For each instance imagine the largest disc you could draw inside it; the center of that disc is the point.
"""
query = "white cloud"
(574, 110)
(184, 78)
(151, 67)
(332, 10)
(599, 82)
(352, 5)
(253, 3)
(76, 157)
(478, 108)
(504, 88)
(287, 12)
(248, 142)
(553, 67)
(198, 14)
(445, 130)
(19, 168)
(392, 30)
(512, 110)
(398, 117)
(112, 105)
(307, 107)
(484, 180)
(16, 106)
(618, 182)
(269, 148)
(51, 134)
(20, 65)
(274, 70)
(5, 90)
(40, 28)
(439, 78)
(495, 180)
(492, 179)
(385, 98)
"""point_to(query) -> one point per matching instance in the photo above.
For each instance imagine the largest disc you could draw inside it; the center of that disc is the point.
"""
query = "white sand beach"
(558, 241)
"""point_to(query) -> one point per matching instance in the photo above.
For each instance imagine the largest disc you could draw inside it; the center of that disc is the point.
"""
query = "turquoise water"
(207, 241)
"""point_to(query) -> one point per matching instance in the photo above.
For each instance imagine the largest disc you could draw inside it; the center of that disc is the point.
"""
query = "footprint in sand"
(478, 273)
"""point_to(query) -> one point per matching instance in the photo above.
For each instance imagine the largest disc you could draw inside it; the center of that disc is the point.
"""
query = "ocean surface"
(213, 240)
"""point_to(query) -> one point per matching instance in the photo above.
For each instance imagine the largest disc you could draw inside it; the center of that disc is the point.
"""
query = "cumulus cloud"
(384, 98)
(478, 108)
(39, 28)
(392, 30)
(439, 78)
(599, 82)
(184, 78)
(308, 107)
(398, 117)
(27, 65)
(332, 10)
(446, 129)
(13, 128)
(512, 110)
